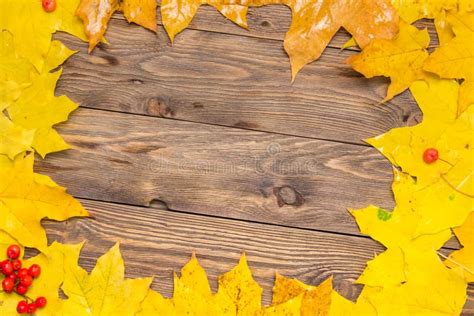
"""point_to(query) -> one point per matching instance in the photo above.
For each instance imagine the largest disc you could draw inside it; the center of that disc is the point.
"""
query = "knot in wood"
(287, 195)
(158, 107)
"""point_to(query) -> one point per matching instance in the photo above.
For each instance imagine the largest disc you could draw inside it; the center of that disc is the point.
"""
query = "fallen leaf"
(15, 71)
(177, 14)
(316, 300)
(463, 260)
(192, 293)
(341, 306)
(455, 59)
(155, 304)
(413, 10)
(314, 23)
(13, 139)
(33, 109)
(104, 291)
(401, 59)
(239, 291)
(417, 293)
(442, 195)
(39, 109)
(141, 12)
(26, 199)
(32, 27)
(288, 308)
(412, 221)
(440, 129)
(95, 15)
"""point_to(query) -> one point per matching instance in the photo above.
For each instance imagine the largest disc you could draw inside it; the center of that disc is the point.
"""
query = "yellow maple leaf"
(15, 71)
(96, 14)
(155, 304)
(341, 306)
(141, 12)
(52, 262)
(39, 109)
(413, 10)
(443, 192)
(314, 23)
(455, 59)
(416, 293)
(440, 129)
(104, 291)
(401, 58)
(463, 260)
(32, 27)
(413, 221)
(26, 198)
(290, 307)
(192, 293)
(177, 14)
(401, 278)
(34, 109)
(14, 139)
(238, 292)
(316, 300)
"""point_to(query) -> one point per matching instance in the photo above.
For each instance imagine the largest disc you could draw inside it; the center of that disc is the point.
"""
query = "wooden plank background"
(207, 146)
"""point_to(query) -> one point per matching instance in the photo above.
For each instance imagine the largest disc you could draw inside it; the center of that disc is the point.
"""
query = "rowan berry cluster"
(18, 279)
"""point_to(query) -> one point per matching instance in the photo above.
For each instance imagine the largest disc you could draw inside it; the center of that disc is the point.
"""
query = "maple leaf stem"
(455, 262)
(456, 189)
(445, 161)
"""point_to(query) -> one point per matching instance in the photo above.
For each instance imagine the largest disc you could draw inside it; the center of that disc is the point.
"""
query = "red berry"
(12, 276)
(22, 272)
(26, 280)
(34, 270)
(49, 5)
(16, 264)
(41, 302)
(430, 155)
(7, 267)
(22, 307)
(31, 308)
(21, 289)
(13, 251)
(8, 284)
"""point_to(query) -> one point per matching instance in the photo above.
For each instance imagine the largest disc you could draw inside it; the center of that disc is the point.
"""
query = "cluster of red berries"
(18, 280)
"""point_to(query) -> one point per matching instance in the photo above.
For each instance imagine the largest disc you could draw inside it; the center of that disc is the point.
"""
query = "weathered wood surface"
(219, 171)
(286, 155)
(157, 242)
(269, 22)
(214, 170)
(233, 81)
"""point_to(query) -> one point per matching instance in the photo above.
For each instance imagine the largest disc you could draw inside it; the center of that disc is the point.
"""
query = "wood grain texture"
(233, 81)
(269, 22)
(219, 171)
(158, 242)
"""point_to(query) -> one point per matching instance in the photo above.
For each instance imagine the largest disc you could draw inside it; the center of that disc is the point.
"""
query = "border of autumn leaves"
(392, 279)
